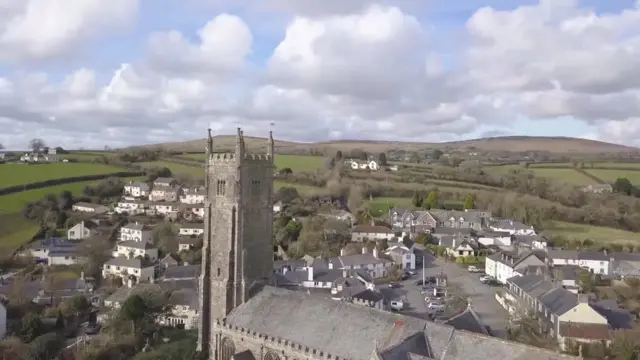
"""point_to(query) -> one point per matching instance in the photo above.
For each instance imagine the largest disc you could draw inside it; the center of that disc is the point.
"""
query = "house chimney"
(375, 252)
(330, 265)
(310, 273)
(453, 244)
(285, 269)
(364, 249)
(342, 252)
(583, 298)
(81, 274)
(344, 273)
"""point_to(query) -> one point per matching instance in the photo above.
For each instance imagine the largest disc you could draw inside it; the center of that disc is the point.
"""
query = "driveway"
(482, 296)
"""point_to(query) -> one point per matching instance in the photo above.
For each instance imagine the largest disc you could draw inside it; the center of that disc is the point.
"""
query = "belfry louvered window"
(255, 187)
(221, 188)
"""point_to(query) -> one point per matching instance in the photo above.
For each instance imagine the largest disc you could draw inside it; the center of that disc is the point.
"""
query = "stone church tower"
(237, 249)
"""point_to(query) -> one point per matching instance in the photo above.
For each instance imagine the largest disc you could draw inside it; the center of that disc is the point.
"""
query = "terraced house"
(565, 315)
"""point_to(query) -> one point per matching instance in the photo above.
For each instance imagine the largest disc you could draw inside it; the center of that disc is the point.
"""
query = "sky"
(95, 73)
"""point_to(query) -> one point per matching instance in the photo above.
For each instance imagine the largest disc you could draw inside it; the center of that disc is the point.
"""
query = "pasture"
(294, 162)
(84, 156)
(597, 234)
(15, 231)
(18, 174)
(567, 176)
(611, 176)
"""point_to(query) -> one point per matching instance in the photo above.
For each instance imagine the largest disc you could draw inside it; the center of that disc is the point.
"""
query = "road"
(482, 297)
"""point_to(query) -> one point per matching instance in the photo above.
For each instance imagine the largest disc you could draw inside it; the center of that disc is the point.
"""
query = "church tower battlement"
(238, 225)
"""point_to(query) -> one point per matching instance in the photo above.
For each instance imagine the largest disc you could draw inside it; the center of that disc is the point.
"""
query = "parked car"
(394, 285)
(409, 272)
(486, 278)
(436, 306)
(397, 305)
(473, 269)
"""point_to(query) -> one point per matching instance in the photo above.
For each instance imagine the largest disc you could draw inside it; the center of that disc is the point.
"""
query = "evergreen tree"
(432, 200)
(469, 203)
(417, 199)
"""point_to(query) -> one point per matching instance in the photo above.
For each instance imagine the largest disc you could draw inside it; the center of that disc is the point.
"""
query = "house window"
(221, 188)
(255, 187)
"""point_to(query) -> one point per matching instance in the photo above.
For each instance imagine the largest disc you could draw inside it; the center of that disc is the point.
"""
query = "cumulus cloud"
(41, 29)
(359, 69)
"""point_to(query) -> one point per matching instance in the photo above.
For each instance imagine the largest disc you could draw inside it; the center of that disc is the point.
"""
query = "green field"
(82, 156)
(613, 165)
(568, 176)
(611, 176)
(293, 162)
(558, 165)
(501, 169)
(18, 174)
(597, 234)
(16, 202)
(16, 230)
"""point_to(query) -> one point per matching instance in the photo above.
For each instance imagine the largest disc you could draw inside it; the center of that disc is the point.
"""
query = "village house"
(82, 230)
(193, 195)
(457, 246)
(165, 209)
(562, 313)
(188, 242)
(512, 227)
(363, 165)
(165, 193)
(131, 207)
(89, 208)
(533, 242)
(470, 219)
(163, 181)
(362, 233)
(131, 271)
(492, 237)
(168, 260)
(136, 232)
(625, 264)
(192, 212)
(132, 249)
(136, 189)
(375, 265)
(598, 188)
(504, 265)
(414, 222)
(191, 229)
(71, 256)
(401, 255)
(596, 262)
(56, 251)
(36, 157)
(340, 215)
(277, 207)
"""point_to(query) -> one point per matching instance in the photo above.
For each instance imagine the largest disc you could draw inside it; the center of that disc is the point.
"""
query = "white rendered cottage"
(136, 232)
(132, 249)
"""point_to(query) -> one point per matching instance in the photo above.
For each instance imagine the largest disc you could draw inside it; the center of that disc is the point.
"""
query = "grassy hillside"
(293, 162)
(513, 143)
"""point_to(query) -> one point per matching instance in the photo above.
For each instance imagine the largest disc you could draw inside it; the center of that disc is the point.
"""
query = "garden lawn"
(597, 234)
(567, 176)
(615, 165)
(611, 176)
(18, 174)
(15, 231)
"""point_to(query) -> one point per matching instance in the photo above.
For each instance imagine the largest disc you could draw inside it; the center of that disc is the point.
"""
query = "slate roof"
(577, 255)
(347, 330)
(372, 229)
(556, 299)
(182, 272)
(142, 245)
(440, 231)
(585, 331)
(468, 320)
(135, 226)
(510, 225)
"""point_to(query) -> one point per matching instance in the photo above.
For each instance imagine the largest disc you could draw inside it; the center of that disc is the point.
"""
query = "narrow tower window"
(221, 188)
(218, 271)
(255, 187)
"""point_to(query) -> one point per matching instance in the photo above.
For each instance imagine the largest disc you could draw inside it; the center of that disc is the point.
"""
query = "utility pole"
(423, 268)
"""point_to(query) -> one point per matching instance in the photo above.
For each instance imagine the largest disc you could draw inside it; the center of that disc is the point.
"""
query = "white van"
(397, 305)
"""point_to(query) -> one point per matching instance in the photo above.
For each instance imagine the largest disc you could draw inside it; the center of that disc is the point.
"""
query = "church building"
(242, 317)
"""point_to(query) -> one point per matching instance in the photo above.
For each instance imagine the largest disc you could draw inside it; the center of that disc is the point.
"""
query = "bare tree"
(37, 145)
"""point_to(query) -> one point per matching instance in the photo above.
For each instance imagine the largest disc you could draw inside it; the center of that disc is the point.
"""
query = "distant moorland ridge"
(508, 143)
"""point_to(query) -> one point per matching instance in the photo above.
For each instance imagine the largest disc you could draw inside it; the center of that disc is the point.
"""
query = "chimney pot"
(330, 265)
(364, 249)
